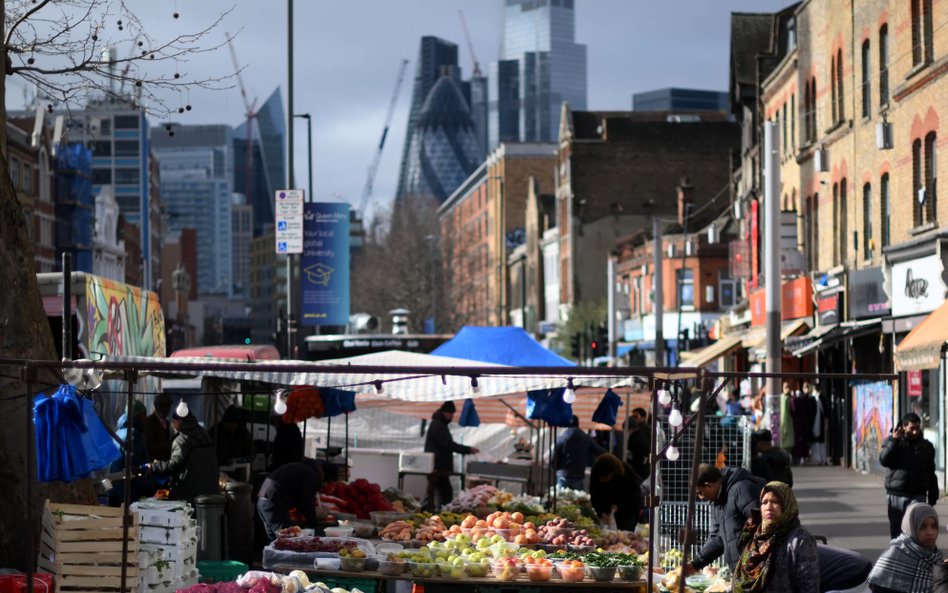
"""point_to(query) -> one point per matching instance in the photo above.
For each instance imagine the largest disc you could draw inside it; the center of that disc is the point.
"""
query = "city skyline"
(346, 66)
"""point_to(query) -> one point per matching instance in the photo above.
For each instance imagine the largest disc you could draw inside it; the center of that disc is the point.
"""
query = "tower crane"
(374, 166)
(470, 46)
(250, 113)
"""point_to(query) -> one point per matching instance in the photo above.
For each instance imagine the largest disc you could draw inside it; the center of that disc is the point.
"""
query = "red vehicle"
(250, 353)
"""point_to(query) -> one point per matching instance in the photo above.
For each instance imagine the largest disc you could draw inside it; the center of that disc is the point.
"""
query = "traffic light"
(574, 346)
(599, 345)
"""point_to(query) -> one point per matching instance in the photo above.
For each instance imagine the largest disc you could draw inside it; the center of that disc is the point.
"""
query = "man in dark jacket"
(769, 463)
(639, 443)
(910, 460)
(733, 493)
(574, 452)
(157, 429)
(290, 486)
(439, 441)
(193, 464)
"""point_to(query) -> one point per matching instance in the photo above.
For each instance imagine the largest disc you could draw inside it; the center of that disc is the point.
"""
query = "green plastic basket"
(220, 571)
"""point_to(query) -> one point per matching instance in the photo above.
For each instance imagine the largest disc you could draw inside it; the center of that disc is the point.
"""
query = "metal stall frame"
(129, 371)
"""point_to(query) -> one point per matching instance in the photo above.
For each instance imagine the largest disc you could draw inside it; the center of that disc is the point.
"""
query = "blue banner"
(324, 267)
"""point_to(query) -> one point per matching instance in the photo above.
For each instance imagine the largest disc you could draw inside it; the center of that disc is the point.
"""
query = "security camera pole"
(772, 275)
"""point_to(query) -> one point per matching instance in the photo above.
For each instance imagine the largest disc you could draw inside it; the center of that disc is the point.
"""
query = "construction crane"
(374, 167)
(470, 46)
(250, 113)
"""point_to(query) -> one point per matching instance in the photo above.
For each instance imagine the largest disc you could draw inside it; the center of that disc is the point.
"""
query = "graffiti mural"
(872, 423)
(122, 320)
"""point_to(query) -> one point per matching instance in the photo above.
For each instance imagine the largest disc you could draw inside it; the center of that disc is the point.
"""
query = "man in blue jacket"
(733, 493)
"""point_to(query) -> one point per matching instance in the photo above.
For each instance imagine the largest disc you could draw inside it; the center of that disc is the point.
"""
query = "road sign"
(288, 215)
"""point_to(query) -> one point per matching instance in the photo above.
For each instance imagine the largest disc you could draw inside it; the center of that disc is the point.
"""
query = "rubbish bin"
(212, 522)
(240, 515)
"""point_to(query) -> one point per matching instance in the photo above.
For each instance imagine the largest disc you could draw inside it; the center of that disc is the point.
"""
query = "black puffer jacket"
(193, 465)
(740, 494)
(438, 440)
(911, 464)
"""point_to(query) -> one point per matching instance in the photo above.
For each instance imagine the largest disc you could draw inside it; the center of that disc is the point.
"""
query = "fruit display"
(537, 565)
(432, 530)
(602, 574)
(392, 565)
(292, 531)
(622, 541)
(312, 544)
(423, 569)
(401, 501)
(359, 497)
(571, 571)
(506, 569)
(397, 531)
(468, 500)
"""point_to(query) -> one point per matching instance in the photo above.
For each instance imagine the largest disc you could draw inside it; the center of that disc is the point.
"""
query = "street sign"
(288, 216)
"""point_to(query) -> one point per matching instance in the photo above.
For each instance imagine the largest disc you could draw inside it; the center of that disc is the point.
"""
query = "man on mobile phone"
(910, 460)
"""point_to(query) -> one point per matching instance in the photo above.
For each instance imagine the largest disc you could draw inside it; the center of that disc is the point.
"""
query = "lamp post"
(309, 150)
(433, 248)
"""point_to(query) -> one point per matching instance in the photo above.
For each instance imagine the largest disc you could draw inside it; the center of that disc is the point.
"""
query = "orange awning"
(921, 349)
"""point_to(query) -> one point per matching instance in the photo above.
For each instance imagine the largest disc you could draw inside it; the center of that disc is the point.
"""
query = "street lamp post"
(309, 150)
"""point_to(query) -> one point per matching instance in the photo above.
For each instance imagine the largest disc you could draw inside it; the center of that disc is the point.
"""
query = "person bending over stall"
(615, 489)
(290, 486)
(193, 464)
(733, 493)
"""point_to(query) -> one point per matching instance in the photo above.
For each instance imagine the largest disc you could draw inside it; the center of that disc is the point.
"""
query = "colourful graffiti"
(123, 319)
(872, 423)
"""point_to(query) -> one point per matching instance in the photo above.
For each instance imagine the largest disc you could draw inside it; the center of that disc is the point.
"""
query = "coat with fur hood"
(193, 464)
(739, 495)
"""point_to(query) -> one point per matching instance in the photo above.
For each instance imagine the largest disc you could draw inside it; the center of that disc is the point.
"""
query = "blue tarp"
(500, 345)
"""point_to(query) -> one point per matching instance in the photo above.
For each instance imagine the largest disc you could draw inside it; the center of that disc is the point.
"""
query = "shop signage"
(795, 301)
(913, 380)
(828, 309)
(324, 269)
(867, 296)
(917, 286)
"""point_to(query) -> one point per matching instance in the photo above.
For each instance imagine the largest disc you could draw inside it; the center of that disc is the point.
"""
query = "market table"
(469, 583)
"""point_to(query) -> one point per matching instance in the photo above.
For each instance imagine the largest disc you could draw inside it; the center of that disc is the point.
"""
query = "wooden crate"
(82, 546)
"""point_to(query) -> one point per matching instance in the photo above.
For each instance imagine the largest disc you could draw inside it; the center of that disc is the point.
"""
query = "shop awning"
(826, 335)
(921, 349)
(808, 342)
(756, 337)
(708, 354)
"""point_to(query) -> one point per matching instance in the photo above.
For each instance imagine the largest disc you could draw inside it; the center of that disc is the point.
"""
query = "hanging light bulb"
(279, 406)
(569, 396)
(675, 418)
(671, 454)
(182, 409)
(475, 388)
(379, 388)
(664, 396)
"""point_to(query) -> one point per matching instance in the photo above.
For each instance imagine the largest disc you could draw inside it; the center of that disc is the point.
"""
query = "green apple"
(458, 561)
(497, 539)
(483, 542)
(463, 539)
(477, 557)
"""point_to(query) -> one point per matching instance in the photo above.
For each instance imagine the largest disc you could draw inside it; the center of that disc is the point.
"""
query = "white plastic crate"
(169, 536)
(184, 553)
(162, 513)
(415, 461)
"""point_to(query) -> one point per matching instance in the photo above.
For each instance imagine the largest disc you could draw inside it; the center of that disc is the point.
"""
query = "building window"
(843, 224)
(867, 221)
(884, 65)
(727, 290)
(783, 129)
(885, 210)
(101, 176)
(921, 31)
(27, 179)
(15, 173)
(866, 77)
(129, 176)
(926, 173)
(835, 224)
(833, 113)
(126, 148)
(809, 111)
(686, 288)
(840, 111)
(793, 122)
(101, 147)
(815, 226)
(126, 122)
(791, 34)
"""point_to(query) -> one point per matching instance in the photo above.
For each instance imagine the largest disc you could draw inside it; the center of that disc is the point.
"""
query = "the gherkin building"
(444, 150)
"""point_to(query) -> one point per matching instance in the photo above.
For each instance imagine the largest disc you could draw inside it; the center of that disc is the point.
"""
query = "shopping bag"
(469, 415)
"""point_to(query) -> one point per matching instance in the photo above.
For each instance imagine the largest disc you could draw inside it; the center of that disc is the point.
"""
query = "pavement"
(845, 506)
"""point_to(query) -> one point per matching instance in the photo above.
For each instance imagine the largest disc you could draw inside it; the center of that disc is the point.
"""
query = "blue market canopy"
(500, 345)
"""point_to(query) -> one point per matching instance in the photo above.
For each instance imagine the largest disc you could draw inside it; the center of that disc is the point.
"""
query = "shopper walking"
(910, 460)
(906, 566)
(803, 410)
(438, 440)
(574, 452)
(818, 434)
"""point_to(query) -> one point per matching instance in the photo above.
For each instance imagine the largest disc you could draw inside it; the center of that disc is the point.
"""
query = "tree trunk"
(25, 335)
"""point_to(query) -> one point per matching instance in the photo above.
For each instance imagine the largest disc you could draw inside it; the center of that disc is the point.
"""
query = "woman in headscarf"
(779, 556)
(906, 565)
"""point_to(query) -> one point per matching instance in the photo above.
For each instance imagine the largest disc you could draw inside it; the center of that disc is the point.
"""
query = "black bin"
(240, 515)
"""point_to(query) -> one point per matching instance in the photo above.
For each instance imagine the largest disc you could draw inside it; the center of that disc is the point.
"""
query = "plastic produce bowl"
(341, 531)
(699, 581)
(423, 569)
(352, 564)
(501, 549)
(391, 567)
(452, 572)
(571, 574)
(505, 571)
(476, 569)
(603, 574)
(383, 518)
(539, 573)
(386, 548)
(630, 573)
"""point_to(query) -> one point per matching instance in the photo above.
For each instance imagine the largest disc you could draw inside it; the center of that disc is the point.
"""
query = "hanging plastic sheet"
(469, 415)
(608, 409)
(548, 405)
(337, 401)
(71, 441)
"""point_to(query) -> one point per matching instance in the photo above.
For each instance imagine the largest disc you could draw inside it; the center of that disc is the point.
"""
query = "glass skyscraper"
(267, 154)
(196, 179)
(540, 66)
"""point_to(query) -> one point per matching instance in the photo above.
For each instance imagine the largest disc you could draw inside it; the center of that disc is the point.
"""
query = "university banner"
(324, 267)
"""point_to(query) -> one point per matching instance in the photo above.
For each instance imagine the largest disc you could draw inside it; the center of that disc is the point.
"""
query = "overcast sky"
(347, 54)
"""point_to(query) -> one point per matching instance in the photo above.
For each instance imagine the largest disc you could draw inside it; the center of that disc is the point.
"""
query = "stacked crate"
(168, 546)
(81, 546)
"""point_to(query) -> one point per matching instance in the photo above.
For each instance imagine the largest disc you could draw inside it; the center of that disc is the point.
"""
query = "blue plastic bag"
(548, 405)
(337, 401)
(469, 415)
(608, 409)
